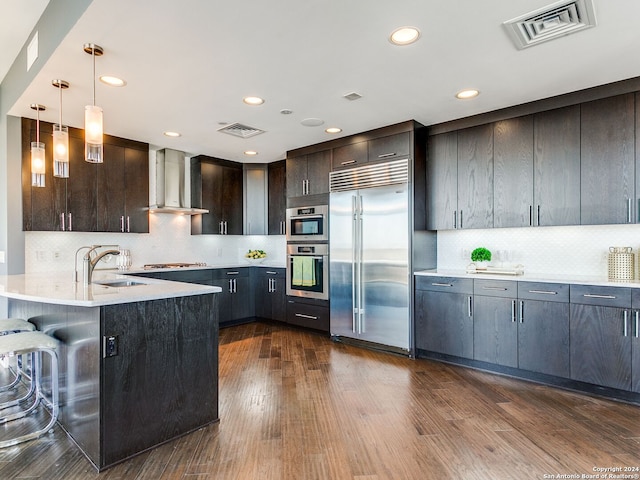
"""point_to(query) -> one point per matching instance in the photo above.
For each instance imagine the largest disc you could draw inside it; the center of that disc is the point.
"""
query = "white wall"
(574, 251)
(169, 240)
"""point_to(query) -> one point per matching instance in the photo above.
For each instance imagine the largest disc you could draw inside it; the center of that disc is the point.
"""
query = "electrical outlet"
(56, 255)
(110, 346)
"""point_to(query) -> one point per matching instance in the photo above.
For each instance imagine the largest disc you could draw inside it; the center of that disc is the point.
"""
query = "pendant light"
(37, 152)
(93, 115)
(60, 138)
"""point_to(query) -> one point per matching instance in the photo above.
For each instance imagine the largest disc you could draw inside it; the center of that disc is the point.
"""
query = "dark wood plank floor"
(294, 405)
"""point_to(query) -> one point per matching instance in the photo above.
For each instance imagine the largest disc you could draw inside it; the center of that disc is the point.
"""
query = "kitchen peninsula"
(138, 357)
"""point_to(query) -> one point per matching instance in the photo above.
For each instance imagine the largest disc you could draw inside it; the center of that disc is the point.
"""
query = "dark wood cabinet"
(475, 177)
(270, 284)
(236, 301)
(216, 185)
(308, 174)
(557, 167)
(442, 181)
(495, 327)
(513, 172)
(601, 335)
(307, 313)
(607, 179)
(444, 315)
(635, 340)
(95, 197)
(349, 156)
(390, 147)
(277, 173)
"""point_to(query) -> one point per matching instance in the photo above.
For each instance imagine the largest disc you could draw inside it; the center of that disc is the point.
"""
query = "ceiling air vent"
(556, 20)
(239, 130)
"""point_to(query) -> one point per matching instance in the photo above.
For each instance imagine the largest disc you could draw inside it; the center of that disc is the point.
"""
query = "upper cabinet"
(350, 155)
(607, 143)
(108, 197)
(308, 174)
(277, 179)
(216, 185)
(442, 181)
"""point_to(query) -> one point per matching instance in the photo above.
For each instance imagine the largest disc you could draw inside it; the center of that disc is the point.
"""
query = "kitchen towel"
(304, 274)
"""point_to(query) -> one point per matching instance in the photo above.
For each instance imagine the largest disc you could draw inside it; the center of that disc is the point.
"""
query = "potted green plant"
(481, 257)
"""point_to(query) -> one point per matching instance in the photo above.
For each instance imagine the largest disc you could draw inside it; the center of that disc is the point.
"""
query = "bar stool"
(32, 343)
(7, 327)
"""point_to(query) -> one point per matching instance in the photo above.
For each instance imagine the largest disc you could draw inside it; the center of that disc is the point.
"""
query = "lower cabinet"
(308, 313)
(270, 284)
(236, 301)
(635, 341)
(444, 315)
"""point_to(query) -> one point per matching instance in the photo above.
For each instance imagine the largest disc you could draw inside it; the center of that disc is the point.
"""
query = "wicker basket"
(621, 263)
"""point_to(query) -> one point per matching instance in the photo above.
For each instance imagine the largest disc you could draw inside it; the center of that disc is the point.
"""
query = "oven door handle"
(302, 217)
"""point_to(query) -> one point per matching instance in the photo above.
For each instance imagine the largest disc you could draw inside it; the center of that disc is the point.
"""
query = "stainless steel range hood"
(171, 194)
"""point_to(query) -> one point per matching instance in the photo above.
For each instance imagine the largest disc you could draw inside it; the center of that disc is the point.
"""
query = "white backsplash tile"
(169, 240)
(580, 250)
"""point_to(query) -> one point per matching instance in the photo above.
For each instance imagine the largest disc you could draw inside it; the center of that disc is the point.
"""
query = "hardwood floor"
(295, 405)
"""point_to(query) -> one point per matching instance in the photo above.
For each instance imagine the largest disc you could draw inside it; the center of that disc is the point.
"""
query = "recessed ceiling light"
(468, 93)
(404, 35)
(112, 81)
(253, 100)
(333, 130)
(172, 134)
(250, 152)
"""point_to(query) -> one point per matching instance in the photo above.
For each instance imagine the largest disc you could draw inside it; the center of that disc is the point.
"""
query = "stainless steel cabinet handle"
(502, 289)
(460, 218)
(70, 224)
(225, 227)
(233, 273)
(231, 285)
(62, 227)
(301, 315)
(128, 224)
(122, 223)
(593, 295)
(469, 305)
(271, 273)
(538, 215)
(455, 219)
(625, 330)
(530, 215)
(628, 210)
(543, 292)
(513, 311)
(349, 162)
(637, 324)
(387, 155)
(220, 228)
(521, 311)
(435, 284)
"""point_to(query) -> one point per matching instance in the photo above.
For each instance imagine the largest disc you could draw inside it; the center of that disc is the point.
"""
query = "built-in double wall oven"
(308, 252)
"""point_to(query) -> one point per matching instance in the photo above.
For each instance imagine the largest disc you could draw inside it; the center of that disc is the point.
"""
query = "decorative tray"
(515, 270)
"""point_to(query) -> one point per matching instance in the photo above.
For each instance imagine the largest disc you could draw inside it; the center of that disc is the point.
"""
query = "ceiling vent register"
(240, 130)
(556, 20)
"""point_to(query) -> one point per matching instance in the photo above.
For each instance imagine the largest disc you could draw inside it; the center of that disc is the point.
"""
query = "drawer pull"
(502, 289)
(442, 284)
(349, 162)
(593, 295)
(387, 155)
(311, 317)
(543, 292)
(233, 273)
(271, 273)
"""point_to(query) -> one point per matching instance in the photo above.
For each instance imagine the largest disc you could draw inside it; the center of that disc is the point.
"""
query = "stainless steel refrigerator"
(369, 254)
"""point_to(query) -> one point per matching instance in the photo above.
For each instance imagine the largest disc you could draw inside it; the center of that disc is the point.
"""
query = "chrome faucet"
(89, 264)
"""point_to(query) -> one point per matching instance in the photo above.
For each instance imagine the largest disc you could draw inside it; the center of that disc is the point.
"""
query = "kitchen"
(37, 251)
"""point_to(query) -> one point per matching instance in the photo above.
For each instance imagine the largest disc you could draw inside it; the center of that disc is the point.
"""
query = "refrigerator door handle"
(361, 319)
(354, 263)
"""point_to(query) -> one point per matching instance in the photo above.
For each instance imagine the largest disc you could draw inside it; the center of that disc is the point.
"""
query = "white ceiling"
(188, 65)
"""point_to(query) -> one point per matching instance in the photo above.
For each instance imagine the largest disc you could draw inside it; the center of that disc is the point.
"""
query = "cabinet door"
(556, 177)
(232, 200)
(224, 299)
(349, 156)
(242, 301)
(607, 143)
(262, 296)
(513, 172)
(444, 323)
(600, 352)
(111, 190)
(211, 189)
(318, 168)
(390, 147)
(277, 197)
(495, 330)
(543, 337)
(442, 181)
(296, 171)
(475, 177)
(136, 180)
(81, 189)
(635, 352)
(278, 298)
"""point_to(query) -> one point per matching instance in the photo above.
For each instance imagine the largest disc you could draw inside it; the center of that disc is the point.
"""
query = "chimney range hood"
(170, 185)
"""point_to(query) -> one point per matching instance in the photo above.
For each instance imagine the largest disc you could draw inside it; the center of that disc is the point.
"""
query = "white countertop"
(533, 277)
(62, 290)
(238, 264)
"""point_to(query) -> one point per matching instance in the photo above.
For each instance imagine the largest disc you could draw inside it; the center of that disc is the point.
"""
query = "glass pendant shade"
(60, 151)
(93, 134)
(37, 164)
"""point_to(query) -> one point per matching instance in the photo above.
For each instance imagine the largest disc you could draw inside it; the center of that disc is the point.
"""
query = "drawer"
(444, 284)
(495, 288)
(635, 298)
(601, 295)
(390, 148)
(219, 273)
(309, 316)
(270, 272)
(202, 277)
(548, 292)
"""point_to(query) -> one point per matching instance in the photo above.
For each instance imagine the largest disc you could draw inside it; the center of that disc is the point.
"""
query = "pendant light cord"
(60, 91)
(38, 124)
(93, 57)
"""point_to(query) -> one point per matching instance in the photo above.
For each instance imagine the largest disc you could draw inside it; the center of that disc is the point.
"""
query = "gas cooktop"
(151, 266)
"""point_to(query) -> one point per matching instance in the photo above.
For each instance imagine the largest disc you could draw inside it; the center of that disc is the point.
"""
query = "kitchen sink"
(120, 283)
